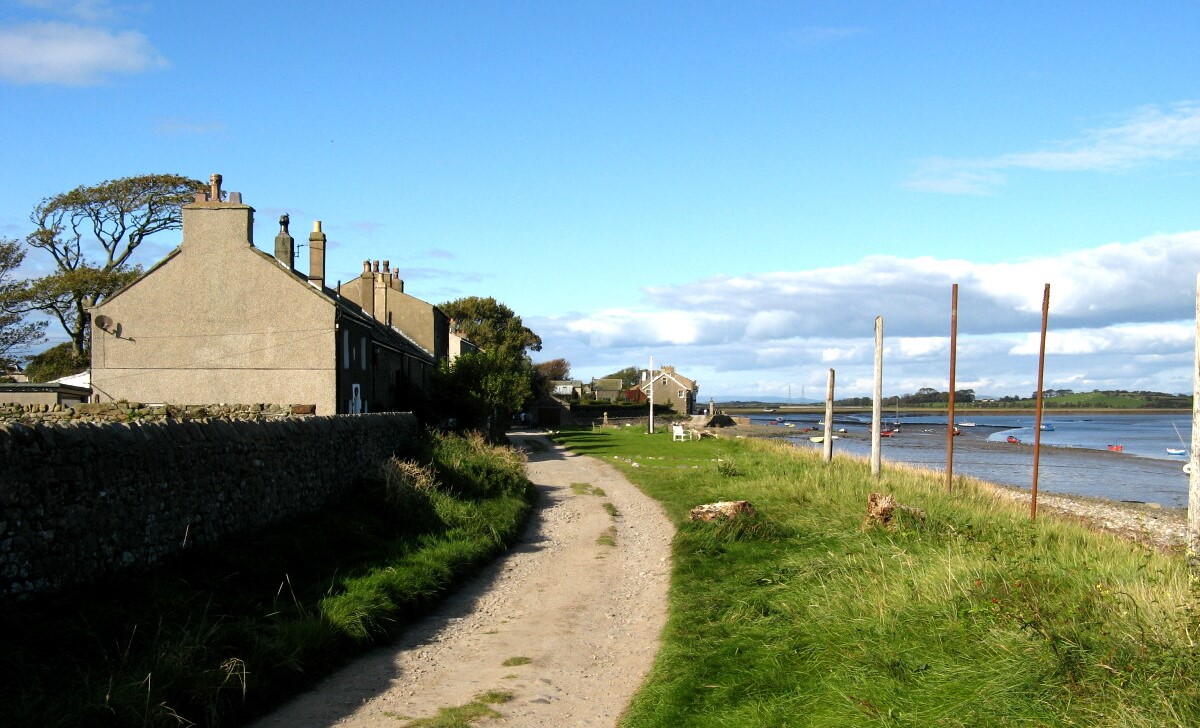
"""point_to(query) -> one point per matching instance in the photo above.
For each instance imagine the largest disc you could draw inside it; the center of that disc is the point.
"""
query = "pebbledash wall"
(80, 499)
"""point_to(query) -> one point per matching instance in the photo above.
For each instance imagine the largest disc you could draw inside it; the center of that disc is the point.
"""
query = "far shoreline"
(942, 411)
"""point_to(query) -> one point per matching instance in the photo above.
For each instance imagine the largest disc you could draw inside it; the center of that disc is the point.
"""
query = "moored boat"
(1118, 448)
(1176, 451)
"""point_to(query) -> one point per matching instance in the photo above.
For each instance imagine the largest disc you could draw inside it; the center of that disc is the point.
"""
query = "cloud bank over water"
(1121, 317)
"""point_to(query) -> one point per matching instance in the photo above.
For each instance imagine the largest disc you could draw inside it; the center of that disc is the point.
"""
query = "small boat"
(1012, 440)
(1176, 451)
(886, 433)
(966, 424)
(1047, 427)
(1120, 448)
(956, 432)
(821, 438)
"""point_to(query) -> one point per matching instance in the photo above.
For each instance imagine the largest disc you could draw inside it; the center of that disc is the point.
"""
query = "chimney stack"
(316, 256)
(285, 244)
(380, 291)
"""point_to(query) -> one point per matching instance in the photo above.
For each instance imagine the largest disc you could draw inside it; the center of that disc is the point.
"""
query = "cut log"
(881, 509)
(724, 510)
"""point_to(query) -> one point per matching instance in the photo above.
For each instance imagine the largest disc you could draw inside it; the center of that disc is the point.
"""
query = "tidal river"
(1114, 456)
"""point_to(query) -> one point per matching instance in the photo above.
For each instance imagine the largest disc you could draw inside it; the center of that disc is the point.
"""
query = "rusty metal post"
(1037, 420)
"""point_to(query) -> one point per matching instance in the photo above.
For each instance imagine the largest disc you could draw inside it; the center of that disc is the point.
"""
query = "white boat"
(966, 424)
(1176, 451)
(821, 438)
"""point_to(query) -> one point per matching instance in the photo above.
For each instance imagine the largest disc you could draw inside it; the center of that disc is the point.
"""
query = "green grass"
(214, 637)
(515, 661)
(461, 716)
(803, 617)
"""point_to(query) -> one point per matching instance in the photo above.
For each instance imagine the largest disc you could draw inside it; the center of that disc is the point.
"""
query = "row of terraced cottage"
(218, 320)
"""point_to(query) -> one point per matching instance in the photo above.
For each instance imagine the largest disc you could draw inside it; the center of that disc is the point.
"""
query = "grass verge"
(214, 637)
(972, 616)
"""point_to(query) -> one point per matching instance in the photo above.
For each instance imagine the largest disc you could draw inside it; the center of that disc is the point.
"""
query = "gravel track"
(586, 615)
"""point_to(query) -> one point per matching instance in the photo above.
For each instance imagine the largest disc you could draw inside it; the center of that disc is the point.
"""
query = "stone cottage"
(218, 320)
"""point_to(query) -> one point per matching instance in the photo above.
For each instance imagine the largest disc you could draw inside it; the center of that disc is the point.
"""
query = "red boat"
(1117, 448)
(1014, 441)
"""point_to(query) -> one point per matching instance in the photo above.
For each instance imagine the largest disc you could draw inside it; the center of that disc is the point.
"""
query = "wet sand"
(1074, 471)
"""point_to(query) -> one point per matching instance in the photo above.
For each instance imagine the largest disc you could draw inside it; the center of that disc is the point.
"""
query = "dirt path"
(585, 614)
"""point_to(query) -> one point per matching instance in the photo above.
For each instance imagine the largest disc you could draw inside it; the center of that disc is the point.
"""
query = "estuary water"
(1116, 456)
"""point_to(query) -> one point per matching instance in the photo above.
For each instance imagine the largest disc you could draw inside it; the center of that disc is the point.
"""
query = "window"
(345, 349)
(364, 353)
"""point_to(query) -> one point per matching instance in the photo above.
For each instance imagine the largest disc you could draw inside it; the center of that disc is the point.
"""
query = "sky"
(737, 189)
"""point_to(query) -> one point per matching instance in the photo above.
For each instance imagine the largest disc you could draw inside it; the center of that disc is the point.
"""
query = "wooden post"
(877, 402)
(1037, 420)
(1193, 537)
(828, 441)
(950, 409)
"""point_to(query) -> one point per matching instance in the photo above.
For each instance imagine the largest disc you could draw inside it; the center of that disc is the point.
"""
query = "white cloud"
(72, 55)
(1148, 134)
(1119, 318)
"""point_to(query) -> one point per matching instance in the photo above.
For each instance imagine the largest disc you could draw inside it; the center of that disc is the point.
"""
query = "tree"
(60, 360)
(492, 326)
(91, 233)
(15, 332)
(628, 377)
(480, 390)
(548, 371)
(555, 369)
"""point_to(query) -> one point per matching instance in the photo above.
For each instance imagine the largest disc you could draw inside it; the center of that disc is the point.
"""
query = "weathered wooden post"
(877, 402)
(1037, 420)
(828, 441)
(1193, 536)
(950, 408)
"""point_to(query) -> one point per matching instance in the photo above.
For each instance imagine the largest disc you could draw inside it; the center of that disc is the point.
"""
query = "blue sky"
(737, 189)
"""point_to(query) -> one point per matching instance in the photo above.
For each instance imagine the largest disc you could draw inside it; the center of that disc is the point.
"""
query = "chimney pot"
(387, 266)
(214, 187)
(316, 226)
(374, 266)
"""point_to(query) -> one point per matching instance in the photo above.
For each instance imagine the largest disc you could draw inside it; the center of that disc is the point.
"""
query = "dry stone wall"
(81, 499)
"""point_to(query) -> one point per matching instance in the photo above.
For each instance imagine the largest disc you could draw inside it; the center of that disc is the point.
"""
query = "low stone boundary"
(83, 499)
(139, 412)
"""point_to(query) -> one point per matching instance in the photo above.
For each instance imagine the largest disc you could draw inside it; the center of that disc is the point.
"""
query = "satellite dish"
(104, 322)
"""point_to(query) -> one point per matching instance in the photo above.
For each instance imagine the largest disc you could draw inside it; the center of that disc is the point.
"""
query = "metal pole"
(1037, 420)
(652, 395)
(950, 409)
(828, 441)
(877, 403)
(1193, 553)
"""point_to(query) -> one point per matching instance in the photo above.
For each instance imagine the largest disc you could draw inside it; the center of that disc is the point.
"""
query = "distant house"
(608, 390)
(670, 388)
(220, 321)
(566, 388)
